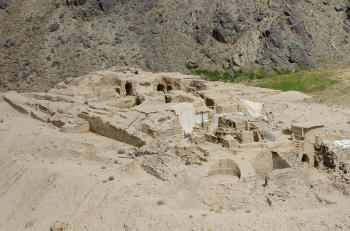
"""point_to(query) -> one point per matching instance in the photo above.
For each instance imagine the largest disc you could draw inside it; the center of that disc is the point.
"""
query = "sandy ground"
(58, 181)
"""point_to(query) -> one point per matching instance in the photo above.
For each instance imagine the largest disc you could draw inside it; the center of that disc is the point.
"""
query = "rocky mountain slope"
(46, 41)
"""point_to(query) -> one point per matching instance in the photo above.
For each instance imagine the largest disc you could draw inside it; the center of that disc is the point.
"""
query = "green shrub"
(111, 178)
(121, 151)
(160, 202)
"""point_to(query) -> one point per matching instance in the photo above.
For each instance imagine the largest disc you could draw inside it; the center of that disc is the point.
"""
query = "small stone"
(154, 31)
(225, 66)
(241, 18)
(143, 67)
(339, 226)
(339, 8)
(118, 40)
(55, 63)
(9, 43)
(231, 73)
(149, 64)
(239, 53)
(260, 17)
(54, 27)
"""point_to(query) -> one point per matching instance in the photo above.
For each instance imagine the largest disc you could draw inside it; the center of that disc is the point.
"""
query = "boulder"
(299, 55)
(9, 43)
(76, 2)
(106, 5)
(236, 60)
(226, 30)
(222, 35)
(200, 37)
(3, 4)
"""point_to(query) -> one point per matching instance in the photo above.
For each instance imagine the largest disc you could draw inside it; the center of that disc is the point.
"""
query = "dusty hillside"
(67, 157)
(46, 41)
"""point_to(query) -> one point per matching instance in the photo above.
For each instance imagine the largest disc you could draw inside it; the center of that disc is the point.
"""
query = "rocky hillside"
(46, 41)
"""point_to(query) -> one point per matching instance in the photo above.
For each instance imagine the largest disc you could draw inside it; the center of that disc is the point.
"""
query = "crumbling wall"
(329, 157)
(225, 167)
(105, 128)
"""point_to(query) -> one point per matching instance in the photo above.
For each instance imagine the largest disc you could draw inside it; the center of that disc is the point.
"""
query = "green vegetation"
(307, 81)
(216, 75)
(247, 211)
(115, 161)
(111, 178)
(160, 202)
(1, 120)
(121, 151)
(103, 167)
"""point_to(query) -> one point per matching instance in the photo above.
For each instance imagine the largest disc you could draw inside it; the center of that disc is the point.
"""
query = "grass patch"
(121, 151)
(224, 76)
(247, 211)
(160, 202)
(308, 81)
(103, 167)
(104, 181)
(111, 178)
(115, 161)
(348, 122)
(1, 120)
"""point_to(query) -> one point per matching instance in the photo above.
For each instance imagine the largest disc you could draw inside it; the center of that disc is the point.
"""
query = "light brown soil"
(59, 181)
